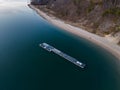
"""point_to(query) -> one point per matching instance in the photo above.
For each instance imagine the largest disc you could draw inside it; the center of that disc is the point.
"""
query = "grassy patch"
(113, 30)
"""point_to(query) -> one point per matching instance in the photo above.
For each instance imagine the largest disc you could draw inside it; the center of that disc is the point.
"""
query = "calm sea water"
(26, 66)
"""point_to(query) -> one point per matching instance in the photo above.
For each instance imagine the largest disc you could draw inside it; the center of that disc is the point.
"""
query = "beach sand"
(101, 41)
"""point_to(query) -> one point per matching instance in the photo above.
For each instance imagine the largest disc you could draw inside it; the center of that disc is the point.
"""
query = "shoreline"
(113, 48)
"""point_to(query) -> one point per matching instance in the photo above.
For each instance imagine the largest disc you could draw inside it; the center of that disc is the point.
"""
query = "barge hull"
(63, 55)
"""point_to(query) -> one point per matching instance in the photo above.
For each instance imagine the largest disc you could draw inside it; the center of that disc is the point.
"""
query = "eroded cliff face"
(101, 17)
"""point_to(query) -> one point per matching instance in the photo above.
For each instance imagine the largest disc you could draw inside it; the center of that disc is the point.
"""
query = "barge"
(62, 54)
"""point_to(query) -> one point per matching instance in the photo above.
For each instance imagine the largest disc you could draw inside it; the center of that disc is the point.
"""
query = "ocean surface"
(26, 66)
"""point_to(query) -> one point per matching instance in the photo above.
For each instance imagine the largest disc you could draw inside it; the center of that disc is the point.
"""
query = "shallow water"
(26, 66)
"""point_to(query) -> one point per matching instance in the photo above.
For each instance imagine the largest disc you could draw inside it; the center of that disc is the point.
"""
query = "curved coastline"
(101, 41)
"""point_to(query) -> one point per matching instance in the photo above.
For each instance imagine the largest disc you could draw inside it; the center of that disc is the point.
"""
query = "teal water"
(26, 66)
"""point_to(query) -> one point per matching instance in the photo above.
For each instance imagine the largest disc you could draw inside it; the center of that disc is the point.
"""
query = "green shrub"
(117, 29)
(112, 11)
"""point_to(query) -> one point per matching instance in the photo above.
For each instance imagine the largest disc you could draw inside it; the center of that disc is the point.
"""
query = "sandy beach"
(101, 41)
